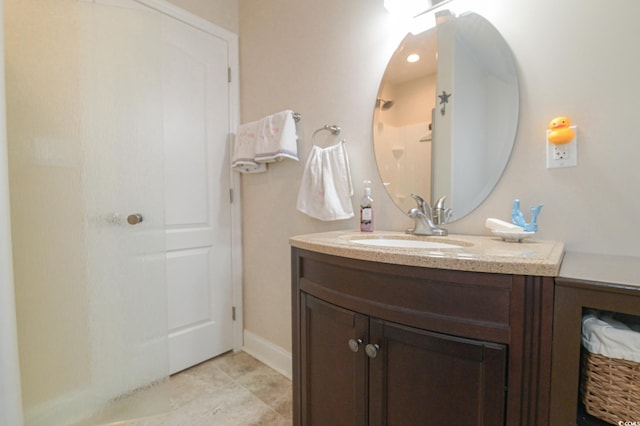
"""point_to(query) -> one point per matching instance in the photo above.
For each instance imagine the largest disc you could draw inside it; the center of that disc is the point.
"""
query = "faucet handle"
(418, 199)
(422, 204)
(440, 202)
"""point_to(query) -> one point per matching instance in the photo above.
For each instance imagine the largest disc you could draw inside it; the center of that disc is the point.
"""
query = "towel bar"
(296, 116)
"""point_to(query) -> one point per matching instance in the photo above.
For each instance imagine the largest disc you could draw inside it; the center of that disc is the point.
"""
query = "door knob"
(354, 344)
(134, 219)
(372, 350)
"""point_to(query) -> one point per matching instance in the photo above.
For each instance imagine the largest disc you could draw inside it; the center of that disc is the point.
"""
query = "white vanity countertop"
(480, 254)
(608, 269)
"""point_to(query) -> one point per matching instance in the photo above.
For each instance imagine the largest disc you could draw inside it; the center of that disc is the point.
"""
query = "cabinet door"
(334, 375)
(424, 378)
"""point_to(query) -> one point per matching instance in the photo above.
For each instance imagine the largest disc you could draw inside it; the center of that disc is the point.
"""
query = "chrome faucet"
(428, 219)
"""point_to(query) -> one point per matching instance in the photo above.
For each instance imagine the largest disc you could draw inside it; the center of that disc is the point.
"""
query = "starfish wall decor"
(444, 99)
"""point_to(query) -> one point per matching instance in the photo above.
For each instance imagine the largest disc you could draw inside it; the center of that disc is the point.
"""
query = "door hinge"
(233, 313)
(229, 74)
(231, 195)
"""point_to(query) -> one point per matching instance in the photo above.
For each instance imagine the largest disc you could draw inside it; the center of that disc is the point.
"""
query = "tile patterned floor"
(234, 389)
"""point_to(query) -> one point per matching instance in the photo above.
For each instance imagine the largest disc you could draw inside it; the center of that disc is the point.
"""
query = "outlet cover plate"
(562, 155)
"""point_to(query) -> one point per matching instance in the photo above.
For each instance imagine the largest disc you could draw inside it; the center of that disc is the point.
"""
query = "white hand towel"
(326, 188)
(277, 138)
(611, 338)
(244, 150)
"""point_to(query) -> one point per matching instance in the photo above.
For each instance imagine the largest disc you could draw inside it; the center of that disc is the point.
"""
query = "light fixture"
(414, 57)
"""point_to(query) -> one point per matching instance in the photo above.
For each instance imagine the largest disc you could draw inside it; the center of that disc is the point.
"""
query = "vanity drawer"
(469, 304)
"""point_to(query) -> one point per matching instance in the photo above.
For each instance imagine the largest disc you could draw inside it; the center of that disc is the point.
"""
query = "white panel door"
(198, 211)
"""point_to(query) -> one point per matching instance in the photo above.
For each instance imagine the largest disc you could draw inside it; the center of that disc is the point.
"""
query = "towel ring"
(333, 128)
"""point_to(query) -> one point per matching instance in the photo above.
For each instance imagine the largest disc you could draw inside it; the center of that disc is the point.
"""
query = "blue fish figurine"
(518, 218)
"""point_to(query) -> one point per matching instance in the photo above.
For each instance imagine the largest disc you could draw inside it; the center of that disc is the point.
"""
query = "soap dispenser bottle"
(366, 209)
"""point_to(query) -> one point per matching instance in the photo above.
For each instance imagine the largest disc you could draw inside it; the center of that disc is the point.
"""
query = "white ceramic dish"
(513, 236)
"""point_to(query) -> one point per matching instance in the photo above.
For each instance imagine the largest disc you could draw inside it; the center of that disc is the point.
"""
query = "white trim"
(10, 389)
(188, 18)
(268, 353)
(236, 205)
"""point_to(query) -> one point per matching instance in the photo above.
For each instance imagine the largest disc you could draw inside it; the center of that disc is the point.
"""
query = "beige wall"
(325, 60)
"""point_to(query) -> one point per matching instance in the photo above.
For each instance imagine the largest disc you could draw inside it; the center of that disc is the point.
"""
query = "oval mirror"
(445, 124)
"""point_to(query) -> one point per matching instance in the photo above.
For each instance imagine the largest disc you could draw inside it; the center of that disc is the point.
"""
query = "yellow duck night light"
(560, 132)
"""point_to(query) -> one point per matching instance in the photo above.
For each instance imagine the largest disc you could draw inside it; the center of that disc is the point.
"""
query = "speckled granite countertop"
(478, 254)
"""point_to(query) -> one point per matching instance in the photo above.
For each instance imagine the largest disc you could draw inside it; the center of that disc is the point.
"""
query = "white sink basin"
(400, 243)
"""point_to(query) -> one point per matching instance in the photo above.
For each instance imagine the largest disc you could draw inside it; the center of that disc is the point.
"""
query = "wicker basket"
(610, 388)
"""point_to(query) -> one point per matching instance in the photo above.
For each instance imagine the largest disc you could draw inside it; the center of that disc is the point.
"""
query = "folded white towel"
(277, 138)
(244, 150)
(326, 188)
(248, 168)
(608, 337)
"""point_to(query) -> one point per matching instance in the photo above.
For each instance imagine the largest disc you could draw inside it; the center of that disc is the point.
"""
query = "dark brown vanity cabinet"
(381, 344)
(408, 375)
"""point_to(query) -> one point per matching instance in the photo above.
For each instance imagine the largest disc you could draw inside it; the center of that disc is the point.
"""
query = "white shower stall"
(85, 155)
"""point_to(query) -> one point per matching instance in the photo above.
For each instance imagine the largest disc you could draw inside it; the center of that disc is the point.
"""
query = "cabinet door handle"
(372, 350)
(354, 344)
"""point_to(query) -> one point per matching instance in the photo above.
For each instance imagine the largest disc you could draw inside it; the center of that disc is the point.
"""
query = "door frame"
(231, 38)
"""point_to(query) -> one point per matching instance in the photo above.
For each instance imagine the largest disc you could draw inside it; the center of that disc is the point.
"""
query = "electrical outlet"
(564, 154)
(560, 152)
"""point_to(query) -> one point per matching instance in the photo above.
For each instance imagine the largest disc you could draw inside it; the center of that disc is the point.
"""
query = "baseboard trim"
(268, 353)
